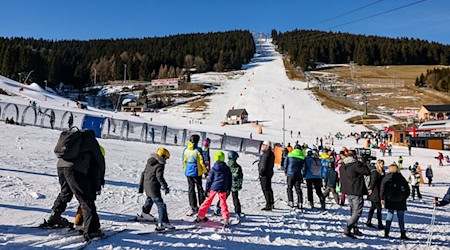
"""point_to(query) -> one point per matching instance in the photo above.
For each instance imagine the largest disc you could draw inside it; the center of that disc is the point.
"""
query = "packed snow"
(29, 184)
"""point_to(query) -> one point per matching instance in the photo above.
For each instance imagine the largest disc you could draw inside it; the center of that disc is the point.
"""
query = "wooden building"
(237, 116)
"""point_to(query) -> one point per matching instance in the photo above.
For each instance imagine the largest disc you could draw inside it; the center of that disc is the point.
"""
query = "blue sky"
(83, 19)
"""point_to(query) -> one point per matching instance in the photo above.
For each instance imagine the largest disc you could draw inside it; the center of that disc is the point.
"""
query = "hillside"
(29, 182)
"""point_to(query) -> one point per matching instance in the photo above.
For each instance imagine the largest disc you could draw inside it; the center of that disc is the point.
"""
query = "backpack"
(395, 192)
(68, 145)
(316, 166)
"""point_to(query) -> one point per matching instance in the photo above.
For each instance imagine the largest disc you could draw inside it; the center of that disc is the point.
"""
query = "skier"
(152, 182)
(376, 177)
(440, 157)
(218, 183)
(194, 168)
(237, 179)
(175, 139)
(389, 149)
(299, 135)
(414, 180)
(400, 162)
(265, 167)
(291, 133)
(429, 175)
(293, 168)
(313, 171)
(394, 191)
(74, 169)
(70, 122)
(409, 149)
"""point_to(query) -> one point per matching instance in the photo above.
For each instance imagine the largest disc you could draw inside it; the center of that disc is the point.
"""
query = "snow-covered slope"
(29, 184)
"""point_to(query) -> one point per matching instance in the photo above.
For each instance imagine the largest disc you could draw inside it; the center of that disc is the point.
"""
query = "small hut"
(237, 116)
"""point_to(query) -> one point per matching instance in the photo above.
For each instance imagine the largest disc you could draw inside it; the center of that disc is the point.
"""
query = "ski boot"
(291, 204)
(164, 226)
(403, 236)
(199, 220)
(93, 235)
(56, 221)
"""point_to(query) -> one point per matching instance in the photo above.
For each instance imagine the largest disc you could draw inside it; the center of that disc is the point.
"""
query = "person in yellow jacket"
(194, 168)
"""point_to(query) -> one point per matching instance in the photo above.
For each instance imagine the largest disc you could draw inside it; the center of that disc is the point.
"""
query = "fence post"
(164, 135)
(241, 145)
(183, 139)
(203, 136)
(224, 142)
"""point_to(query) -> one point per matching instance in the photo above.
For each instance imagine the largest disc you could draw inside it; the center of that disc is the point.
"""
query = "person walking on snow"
(152, 182)
(400, 162)
(353, 185)
(219, 183)
(429, 175)
(265, 167)
(293, 168)
(394, 192)
(313, 176)
(376, 177)
(414, 180)
(194, 168)
(331, 180)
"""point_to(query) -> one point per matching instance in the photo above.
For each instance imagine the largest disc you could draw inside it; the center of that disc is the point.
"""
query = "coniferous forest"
(304, 46)
(77, 62)
(438, 79)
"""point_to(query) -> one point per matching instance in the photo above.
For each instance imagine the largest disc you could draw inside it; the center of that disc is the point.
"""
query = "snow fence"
(112, 128)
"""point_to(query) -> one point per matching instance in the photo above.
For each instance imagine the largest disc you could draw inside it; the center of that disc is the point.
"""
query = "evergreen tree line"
(305, 46)
(77, 62)
(438, 79)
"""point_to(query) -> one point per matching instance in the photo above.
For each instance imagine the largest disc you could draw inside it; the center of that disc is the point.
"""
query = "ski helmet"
(219, 156)
(163, 153)
(232, 155)
(206, 143)
(194, 138)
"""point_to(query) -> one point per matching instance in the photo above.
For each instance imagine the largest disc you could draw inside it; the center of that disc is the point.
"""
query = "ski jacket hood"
(193, 161)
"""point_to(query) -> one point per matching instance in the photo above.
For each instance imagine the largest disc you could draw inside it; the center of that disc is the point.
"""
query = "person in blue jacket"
(313, 175)
(293, 166)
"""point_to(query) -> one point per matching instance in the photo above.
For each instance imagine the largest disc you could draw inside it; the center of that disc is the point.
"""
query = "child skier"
(218, 183)
(414, 180)
(237, 178)
(152, 181)
(400, 162)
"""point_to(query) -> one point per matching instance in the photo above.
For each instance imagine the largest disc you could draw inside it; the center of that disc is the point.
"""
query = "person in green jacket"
(237, 178)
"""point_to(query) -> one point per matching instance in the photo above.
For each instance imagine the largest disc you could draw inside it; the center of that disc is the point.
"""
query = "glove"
(141, 190)
(166, 191)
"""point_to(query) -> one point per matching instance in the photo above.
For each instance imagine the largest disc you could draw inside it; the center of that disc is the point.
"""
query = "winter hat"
(206, 143)
(266, 142)
(219, 156)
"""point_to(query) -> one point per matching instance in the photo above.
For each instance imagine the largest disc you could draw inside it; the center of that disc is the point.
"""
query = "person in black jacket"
(152, 182)
(376, 176)
(265, 167)
(352, 184)
(394, 192)
(76, 177)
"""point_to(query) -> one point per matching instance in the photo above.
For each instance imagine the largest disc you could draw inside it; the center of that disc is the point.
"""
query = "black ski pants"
(195, 181)
(236, 202)
(317, 183)
(76, 183)
(294, 181)
(266, 185)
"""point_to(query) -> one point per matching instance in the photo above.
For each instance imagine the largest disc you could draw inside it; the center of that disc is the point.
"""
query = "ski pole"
(433, 219)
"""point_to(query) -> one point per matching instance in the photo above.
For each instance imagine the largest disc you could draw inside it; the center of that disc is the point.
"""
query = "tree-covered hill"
(303, 46)
(76, 62)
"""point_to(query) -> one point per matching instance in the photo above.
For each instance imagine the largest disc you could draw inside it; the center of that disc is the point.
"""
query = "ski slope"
(29, 185)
